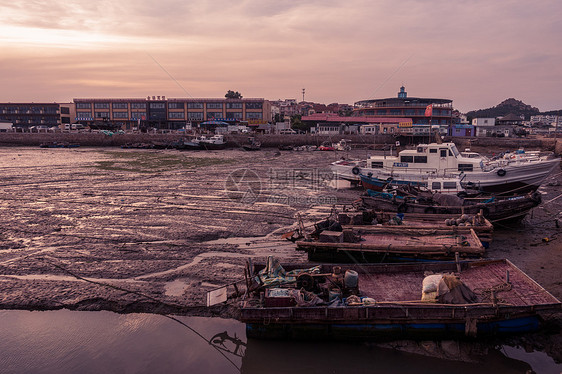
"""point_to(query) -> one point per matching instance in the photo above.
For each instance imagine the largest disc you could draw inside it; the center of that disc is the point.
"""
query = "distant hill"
(553, 113)
(509, 106)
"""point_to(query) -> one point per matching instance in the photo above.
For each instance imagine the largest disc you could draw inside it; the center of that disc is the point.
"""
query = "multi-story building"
(416, 108)
(159, 112)
(287, 107)
(34, 115)
(551, 120)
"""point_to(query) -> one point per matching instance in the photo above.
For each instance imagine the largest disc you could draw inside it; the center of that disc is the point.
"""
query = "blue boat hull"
(376, 184)
(389, 331)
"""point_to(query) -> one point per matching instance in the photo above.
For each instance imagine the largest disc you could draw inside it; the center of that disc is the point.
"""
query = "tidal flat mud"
(154, 230)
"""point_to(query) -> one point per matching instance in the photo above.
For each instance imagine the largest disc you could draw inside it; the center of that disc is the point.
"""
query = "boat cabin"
(433, 158)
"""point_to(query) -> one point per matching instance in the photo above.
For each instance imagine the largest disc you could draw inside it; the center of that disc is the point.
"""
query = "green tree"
(298, 124)
(233, 95)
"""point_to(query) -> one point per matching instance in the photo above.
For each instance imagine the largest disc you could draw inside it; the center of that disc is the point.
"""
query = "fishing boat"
(342, 145)
(360, 245)
(446, 185)
(392, 301)
(252, 145)
(190, 144)
(326, 146)
(418, 223)
(496, 209)
(212, 143)
(516, 173)
(59, 145)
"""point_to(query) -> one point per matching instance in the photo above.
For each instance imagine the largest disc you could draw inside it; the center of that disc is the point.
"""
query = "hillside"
(509, 106)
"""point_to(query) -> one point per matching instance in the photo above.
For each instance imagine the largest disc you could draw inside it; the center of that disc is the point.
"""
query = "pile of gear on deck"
(309, 287)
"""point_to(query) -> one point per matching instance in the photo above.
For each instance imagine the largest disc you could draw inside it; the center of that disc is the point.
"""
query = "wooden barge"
(385, 302)
(418, 223)
(364, 245)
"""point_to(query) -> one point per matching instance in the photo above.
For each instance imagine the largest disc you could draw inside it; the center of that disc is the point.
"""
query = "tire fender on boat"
(355, 170)
(501, 172)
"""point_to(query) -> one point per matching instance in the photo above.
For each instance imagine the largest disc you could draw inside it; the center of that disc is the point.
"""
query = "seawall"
(8, 139)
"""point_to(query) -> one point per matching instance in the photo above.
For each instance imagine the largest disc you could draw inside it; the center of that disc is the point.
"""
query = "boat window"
(455, 151)
(466, 167)
(376, 164)
(450, 153)
(449, 185)
(436, 185)
(443, 152)
(433, 150)
(406, 158)
(420, 159)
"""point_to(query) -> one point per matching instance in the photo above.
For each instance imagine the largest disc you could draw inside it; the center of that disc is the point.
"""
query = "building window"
(254, 115)
(214, 105)
(194, 105)
(101, 105)
(83, 114)
(64, 110)
(235, 115)
(138, 115)
(233, 105)
(157, 106)
(212, 115)
(176, 105)
(195, 116)
(253, 105)
(176, 115)
(120, 105)
(120, 115)
(138, 105)
(101, 115)
(83, 106)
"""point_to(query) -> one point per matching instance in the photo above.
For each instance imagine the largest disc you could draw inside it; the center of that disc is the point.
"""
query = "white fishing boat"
(514, 172)
(214, 142)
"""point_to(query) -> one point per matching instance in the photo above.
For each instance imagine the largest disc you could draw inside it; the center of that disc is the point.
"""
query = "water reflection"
(332, 357)
(95, 342)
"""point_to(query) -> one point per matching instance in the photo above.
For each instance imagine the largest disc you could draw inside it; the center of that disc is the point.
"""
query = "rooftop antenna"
(303, 95)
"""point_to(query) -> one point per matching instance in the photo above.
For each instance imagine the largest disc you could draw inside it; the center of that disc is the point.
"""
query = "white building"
(549, 120)
(484, 122)
(6, 126)
(483, 126)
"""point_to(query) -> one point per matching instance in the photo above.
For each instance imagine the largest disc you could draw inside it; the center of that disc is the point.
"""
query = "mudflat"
(153, 230)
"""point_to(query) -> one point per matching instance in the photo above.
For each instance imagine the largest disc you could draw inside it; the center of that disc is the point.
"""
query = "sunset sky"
(477, 53)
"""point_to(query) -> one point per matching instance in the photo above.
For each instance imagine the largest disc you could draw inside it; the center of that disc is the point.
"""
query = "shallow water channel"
(104, 342)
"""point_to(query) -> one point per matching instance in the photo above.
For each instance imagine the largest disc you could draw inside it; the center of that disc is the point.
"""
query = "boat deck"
(405, 242)
(407, 286)
(397, 239)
